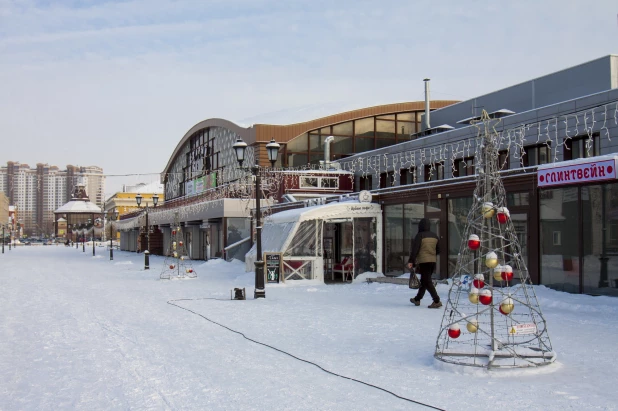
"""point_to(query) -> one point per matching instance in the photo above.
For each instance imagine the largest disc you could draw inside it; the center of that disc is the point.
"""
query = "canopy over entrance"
(299, 235)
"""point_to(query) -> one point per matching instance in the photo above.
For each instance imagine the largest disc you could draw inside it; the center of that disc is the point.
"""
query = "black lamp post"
(84, 235)
(93, 253)
(155, 200)
(272, 149)
(113, 216)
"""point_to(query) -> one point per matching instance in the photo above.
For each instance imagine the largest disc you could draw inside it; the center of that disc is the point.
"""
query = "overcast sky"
(118, 83)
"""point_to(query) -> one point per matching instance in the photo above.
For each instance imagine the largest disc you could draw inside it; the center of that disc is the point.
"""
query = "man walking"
(423, 251)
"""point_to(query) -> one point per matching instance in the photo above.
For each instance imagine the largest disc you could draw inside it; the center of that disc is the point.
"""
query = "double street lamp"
(155, 200)
(272, 149)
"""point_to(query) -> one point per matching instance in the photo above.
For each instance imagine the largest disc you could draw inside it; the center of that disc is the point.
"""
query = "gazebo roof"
(79, 206)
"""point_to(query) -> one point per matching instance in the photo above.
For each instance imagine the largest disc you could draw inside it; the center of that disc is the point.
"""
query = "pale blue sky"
(118, 83)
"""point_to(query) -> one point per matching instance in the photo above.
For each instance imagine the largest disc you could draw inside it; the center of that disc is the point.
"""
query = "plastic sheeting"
(307, 241)
(274, 237)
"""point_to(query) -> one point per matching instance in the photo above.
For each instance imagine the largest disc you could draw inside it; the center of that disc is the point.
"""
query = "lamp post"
(272, 148)
(84, 235)
(155, 200)
(112, 218)
(2, 238)
(93, 253)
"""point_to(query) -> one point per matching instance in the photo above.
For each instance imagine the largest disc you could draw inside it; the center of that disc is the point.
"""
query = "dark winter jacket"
(425, 245)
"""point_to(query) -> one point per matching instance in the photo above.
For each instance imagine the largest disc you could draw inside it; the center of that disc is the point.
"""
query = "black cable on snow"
(171, 302)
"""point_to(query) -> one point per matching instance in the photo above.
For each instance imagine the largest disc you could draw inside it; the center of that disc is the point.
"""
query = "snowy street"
(87, 333)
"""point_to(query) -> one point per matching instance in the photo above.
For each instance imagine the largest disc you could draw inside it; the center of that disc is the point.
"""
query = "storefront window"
(560, 239)
(600, 244)
(394, 253)
(365, 244)
(458, 209)
(237, 229)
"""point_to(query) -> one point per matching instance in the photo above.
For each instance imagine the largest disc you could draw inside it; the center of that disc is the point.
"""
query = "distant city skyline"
(118, 83)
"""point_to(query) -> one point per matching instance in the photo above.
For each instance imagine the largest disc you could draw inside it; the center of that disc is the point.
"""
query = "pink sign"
(577, 173)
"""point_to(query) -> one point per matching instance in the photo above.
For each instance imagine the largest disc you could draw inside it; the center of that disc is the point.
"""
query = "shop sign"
(199, 185)
(364, 197)
(273, 266)
(189, 189)
(577, 173)
(521, 329)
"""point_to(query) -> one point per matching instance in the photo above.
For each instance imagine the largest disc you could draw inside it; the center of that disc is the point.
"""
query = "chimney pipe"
(327, 142)
(427, 98)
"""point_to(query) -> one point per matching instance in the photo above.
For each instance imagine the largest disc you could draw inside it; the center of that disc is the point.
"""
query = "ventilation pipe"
(427, 98)
(327, 142)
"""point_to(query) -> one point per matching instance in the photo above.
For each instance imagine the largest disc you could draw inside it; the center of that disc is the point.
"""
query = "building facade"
(566, 229)
(212, 198)
(38, 191)
(5, 219)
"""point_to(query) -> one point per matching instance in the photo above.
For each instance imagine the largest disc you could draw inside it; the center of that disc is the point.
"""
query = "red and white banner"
(577, 173)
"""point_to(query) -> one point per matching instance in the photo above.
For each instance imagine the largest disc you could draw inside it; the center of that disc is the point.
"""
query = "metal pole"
(3, 239)
(93, 241)
(259, 292)
(147, 252)
(111, 236)
(84, 240)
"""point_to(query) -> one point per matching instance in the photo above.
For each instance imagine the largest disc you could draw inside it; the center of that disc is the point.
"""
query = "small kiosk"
(346, 235)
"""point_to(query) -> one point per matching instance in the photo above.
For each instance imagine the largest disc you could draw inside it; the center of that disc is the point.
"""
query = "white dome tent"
(298, 235)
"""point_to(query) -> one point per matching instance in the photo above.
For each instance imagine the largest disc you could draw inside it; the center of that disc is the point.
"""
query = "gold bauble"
(472, 326)
(488, 210)
(498, 273)
(507, 308)
(473, 297)
(491, 259)
(507, 305)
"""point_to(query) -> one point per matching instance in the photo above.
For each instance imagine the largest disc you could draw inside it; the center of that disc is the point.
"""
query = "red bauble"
(502, 218)
(171, 267)
(454, 331)
(180, 243)
(190, 270)
(479, 281)
(485, 297)
(474, 243)
(173, 232)
(507, 273)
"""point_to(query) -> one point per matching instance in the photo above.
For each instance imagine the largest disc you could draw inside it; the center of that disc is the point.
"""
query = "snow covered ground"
(83, 332)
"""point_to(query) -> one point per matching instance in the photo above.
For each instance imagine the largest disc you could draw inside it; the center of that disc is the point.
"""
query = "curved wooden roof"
(284, 133)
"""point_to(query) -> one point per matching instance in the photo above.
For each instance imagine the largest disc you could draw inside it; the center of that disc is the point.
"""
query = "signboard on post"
(273, 266)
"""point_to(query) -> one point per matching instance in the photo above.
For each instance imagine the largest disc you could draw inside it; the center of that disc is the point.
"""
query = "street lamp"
(84, 235)
(93, 225)
(272, 149)
(155, 200)
(113, 216)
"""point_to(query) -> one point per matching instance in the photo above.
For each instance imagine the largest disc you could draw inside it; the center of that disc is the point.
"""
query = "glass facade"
(356, 136)
(401, 226)
(579, 243)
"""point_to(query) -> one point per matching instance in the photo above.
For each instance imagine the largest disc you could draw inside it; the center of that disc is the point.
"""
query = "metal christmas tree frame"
(492, 318)
(177, 263)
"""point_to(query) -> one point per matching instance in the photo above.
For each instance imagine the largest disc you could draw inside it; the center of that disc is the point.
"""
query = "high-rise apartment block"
(37, 192)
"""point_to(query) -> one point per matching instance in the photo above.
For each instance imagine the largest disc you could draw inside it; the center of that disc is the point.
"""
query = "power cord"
(171, 302)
